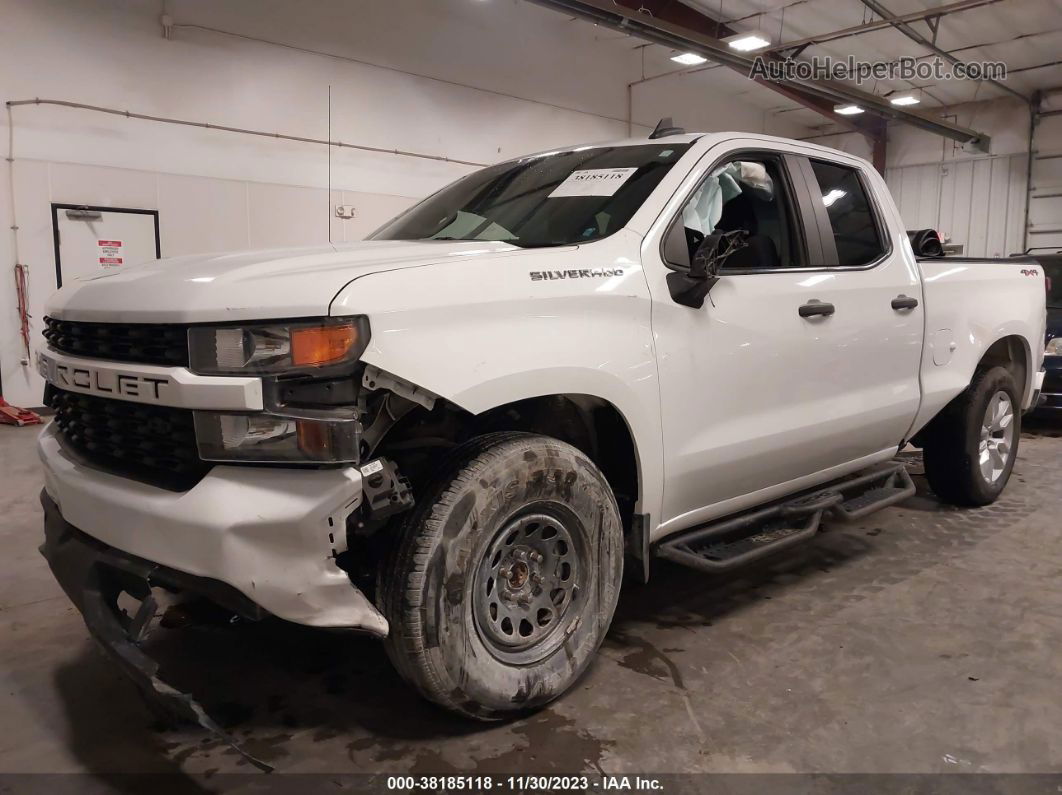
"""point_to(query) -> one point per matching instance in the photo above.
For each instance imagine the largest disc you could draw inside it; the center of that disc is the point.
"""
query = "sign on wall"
(110, 252)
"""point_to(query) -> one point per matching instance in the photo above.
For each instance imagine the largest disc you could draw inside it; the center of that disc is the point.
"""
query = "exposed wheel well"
(420, 441)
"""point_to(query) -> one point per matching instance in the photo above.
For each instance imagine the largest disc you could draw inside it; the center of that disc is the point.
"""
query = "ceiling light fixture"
(689, 59)
(747, 42)
(905, 99)
(847, 110)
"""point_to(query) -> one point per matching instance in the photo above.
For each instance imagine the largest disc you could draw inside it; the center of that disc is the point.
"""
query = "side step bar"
(742, 539)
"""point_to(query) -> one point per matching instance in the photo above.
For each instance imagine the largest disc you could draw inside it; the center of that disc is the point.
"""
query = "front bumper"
(95, 576)
(1051, 391)
(268, 535)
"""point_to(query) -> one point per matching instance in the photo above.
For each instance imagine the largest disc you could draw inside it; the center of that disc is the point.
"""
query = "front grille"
(152, 444)
(145, 343)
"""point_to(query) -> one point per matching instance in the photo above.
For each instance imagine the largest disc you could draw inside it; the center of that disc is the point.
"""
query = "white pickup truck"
(451, 436)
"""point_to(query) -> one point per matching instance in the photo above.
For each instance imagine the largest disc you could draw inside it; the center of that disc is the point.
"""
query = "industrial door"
(89, 240)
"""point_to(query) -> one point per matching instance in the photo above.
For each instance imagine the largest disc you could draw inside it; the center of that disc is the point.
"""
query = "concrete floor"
(924, 640)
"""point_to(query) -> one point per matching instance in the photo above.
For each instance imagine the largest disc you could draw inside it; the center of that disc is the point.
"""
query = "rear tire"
(505, 577)
(971, 447)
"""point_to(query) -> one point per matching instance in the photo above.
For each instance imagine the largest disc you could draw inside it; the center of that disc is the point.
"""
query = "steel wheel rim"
(997, 437)
(528, 586)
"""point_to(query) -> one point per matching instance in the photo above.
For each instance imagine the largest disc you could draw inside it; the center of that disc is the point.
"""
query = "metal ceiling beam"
(686, 17)
(914, 35)
(879, 24)
(612, 14)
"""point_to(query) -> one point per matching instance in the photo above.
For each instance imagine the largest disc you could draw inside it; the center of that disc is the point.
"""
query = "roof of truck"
(693, 137)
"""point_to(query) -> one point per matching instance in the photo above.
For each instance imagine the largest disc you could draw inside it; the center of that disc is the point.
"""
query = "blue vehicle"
(1051, 400)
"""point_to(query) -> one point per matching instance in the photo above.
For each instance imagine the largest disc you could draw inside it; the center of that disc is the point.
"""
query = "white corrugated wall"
(976, 202)
(1045, 207)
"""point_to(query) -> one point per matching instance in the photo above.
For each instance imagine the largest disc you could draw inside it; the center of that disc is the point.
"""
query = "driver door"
(760, 396)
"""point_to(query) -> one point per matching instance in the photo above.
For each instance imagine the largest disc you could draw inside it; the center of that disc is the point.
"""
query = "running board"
(742, 539)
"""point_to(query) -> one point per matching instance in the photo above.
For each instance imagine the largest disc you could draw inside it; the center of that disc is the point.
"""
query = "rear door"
(874, 282)
(761, 392)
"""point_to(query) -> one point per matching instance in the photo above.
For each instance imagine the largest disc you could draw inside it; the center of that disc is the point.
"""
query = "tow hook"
(387, 492)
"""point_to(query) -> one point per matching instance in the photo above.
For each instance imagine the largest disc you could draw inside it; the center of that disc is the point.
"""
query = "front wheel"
(970, 451)
(506, 576)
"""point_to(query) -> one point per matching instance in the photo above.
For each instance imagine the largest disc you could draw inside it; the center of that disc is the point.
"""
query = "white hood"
(254, 285)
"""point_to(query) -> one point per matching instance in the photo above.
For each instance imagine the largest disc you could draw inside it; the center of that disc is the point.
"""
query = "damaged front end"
(297, 554)
(95, 577)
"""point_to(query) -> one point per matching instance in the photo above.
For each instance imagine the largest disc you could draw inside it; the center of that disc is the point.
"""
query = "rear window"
(855, 227)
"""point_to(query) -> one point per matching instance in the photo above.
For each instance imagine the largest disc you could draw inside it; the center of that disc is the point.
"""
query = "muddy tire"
(971, 447)
(505, 577)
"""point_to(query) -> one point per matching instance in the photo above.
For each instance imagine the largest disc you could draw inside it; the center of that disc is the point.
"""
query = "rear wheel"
(506, 576)
(971, 448)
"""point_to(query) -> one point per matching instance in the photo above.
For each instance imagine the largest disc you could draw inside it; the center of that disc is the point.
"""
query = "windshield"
(549, 200)
(1053, 272)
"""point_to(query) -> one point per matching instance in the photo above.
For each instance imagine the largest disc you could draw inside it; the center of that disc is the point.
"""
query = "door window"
(856, 232)
(747, 196)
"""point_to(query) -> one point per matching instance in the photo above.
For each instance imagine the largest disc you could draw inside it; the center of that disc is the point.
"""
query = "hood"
(254, 285)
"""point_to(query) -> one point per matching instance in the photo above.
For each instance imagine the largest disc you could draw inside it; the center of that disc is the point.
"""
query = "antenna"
(328, 199)
(666, 127)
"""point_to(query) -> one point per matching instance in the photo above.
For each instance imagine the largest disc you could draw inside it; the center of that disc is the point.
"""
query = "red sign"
(110, 252)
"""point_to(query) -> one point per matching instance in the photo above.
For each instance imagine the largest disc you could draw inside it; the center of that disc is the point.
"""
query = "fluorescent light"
(847, 110)
(689, 59)
(747, 42)
(906, 99)
(833, 196)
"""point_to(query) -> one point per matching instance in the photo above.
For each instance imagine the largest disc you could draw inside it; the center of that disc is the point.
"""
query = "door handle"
(904, 302)
(816, 307)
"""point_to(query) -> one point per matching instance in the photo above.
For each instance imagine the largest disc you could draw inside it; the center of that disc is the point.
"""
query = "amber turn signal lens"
(314, 439)
(322, 344)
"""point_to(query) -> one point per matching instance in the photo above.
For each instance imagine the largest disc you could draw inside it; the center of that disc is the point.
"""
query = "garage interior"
(921, 640)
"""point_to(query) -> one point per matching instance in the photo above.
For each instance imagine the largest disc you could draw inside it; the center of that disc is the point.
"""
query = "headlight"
(271, 438)
(277, 348)
(1054, 347)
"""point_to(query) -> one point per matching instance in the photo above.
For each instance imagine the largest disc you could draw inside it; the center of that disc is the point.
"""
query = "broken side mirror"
(693, 277)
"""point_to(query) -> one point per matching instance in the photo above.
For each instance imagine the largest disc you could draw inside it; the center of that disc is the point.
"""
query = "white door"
(93, 239)
(762, 386)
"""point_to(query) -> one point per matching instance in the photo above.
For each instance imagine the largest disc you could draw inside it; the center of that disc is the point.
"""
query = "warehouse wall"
(976, 202)
(448, 78)
(972, 198)
(1045, 206)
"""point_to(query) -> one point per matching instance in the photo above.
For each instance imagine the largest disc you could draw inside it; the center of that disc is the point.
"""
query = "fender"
(961, 326)
(483, 333)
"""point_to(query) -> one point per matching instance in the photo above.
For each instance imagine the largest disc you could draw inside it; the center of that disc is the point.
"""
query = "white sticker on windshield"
(593, 182)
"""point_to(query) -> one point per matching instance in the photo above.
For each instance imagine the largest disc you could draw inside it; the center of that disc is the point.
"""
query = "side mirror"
(926, 243)
(690, 285)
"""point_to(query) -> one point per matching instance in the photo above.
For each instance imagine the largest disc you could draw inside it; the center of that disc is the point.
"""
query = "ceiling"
(1026, 35)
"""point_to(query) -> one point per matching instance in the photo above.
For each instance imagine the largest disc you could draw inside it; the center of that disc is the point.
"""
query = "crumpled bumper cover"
(272, 534)
(94, 576)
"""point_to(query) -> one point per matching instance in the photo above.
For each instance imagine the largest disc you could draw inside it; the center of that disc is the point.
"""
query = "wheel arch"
(591, 422)
(1013, 353)
(1009, 351)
